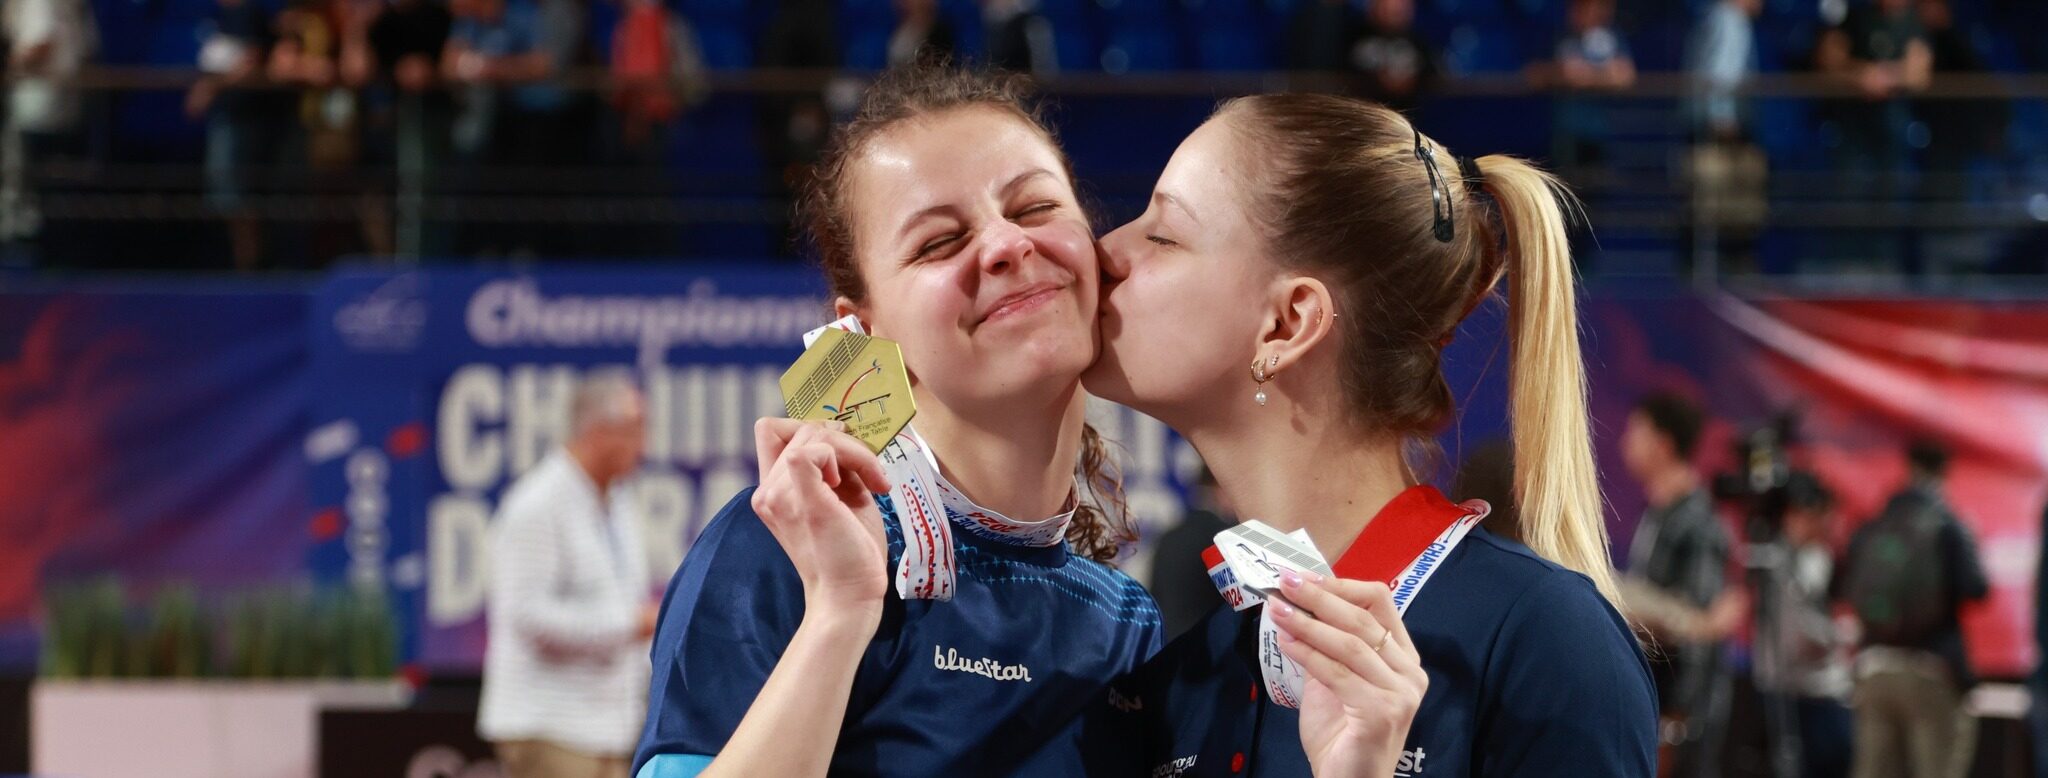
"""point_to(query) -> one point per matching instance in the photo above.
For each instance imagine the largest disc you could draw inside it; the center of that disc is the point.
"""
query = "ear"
(843, 306)
(1302, 315)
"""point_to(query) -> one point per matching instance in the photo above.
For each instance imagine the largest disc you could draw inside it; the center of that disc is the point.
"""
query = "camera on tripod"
(1757, 485)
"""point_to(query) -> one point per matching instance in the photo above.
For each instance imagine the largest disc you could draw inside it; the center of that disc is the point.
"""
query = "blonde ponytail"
(1352, 192)
(1557, 489)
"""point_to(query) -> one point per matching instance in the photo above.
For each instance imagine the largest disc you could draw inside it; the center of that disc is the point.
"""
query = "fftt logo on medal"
(852, 378)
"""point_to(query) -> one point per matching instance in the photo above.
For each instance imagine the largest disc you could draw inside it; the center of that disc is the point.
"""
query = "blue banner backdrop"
(362, 430)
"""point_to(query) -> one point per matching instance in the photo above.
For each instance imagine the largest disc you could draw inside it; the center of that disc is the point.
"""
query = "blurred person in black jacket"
(1907, 575)
(1020, 38)
(1680, 553)
(1180, 578)
(802, 36)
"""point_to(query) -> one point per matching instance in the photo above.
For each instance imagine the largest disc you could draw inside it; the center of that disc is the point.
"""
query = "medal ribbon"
(1402, 548)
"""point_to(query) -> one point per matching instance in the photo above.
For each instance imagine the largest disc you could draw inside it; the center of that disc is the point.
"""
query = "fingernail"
(1283, 607)
(1285, 636)
(1314, 577)
(1290, 580)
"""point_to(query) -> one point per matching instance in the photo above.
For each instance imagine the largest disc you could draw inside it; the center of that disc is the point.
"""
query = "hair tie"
(1469, 168)
(1475, 186)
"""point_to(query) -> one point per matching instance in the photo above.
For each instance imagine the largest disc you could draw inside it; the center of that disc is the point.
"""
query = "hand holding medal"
(1334, 648)
(847, 397)
(1364, 678)
(816, 497)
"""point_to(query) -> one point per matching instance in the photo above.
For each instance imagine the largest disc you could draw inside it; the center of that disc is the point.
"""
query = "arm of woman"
(815, 499)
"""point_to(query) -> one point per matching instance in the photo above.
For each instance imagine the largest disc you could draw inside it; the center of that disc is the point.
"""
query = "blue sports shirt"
(1531, 672)
(991, 683)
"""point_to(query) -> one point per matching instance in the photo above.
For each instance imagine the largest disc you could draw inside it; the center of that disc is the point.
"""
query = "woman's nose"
(1110, 253)
(1005, 246)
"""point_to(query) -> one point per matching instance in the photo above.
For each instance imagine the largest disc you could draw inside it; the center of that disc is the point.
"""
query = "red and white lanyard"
(1403, 548)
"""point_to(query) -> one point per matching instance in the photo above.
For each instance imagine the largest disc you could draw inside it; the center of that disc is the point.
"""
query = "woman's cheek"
(1073, 247)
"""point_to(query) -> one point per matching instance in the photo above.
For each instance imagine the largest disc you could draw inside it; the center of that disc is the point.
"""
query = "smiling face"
(974, 255)
(1187, 289)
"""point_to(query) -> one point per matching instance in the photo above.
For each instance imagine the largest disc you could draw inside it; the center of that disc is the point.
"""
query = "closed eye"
(932, 247)
(1036, 210)
(1161, 241)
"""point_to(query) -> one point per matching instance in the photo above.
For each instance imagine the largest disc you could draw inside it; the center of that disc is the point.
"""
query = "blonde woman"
(1284, 303)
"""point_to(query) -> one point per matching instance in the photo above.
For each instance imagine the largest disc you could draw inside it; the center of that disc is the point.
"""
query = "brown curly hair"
(1101, 526)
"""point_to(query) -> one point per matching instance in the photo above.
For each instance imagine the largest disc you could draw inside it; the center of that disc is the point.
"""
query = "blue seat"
(1062, 9)
(714, 8)
(1137, 9)
(1474, 11)
(175, 44)
(716, 143)
(1238, 50)
(152, 125)
(727, 30)
(729, 241)
(858, 13)
(865, 46)
(1142, 49)
(1658, 45)
(175, 11)
(1485, 49)
(124, 34)
(726, 46)
(1076, 43)
(1213, 13)
(1785, 130)
(968, 27)
(1141, 35)
(603, 22)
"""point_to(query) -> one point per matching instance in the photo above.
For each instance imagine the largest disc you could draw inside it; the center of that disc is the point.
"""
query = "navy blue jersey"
(1531, 672)
(990, 683)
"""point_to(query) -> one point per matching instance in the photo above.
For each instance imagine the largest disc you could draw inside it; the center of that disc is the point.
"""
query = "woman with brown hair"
(1328, 245)
(946, 220)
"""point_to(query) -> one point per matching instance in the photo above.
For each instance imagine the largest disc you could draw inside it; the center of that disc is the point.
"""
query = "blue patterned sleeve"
(728, 616)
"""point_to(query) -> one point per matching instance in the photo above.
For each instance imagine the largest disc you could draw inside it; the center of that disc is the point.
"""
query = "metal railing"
(1644, 199)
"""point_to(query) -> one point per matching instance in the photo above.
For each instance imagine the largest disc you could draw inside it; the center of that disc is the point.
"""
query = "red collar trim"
(1398, 534)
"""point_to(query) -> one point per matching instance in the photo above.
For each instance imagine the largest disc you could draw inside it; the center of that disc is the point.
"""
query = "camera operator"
(1801, 656)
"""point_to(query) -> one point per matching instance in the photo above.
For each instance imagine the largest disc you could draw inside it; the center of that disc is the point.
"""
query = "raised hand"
(1364, 679)
(816, 496)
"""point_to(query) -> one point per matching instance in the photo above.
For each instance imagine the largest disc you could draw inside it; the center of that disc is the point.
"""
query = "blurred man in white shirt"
(571, 608)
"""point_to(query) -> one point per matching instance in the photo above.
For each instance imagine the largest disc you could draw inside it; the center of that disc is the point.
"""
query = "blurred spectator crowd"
(379, 114)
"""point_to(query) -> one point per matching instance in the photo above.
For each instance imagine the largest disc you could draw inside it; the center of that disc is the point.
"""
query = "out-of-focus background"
(291, 290)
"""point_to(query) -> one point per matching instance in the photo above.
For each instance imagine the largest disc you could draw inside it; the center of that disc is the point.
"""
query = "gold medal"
(853, 378)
